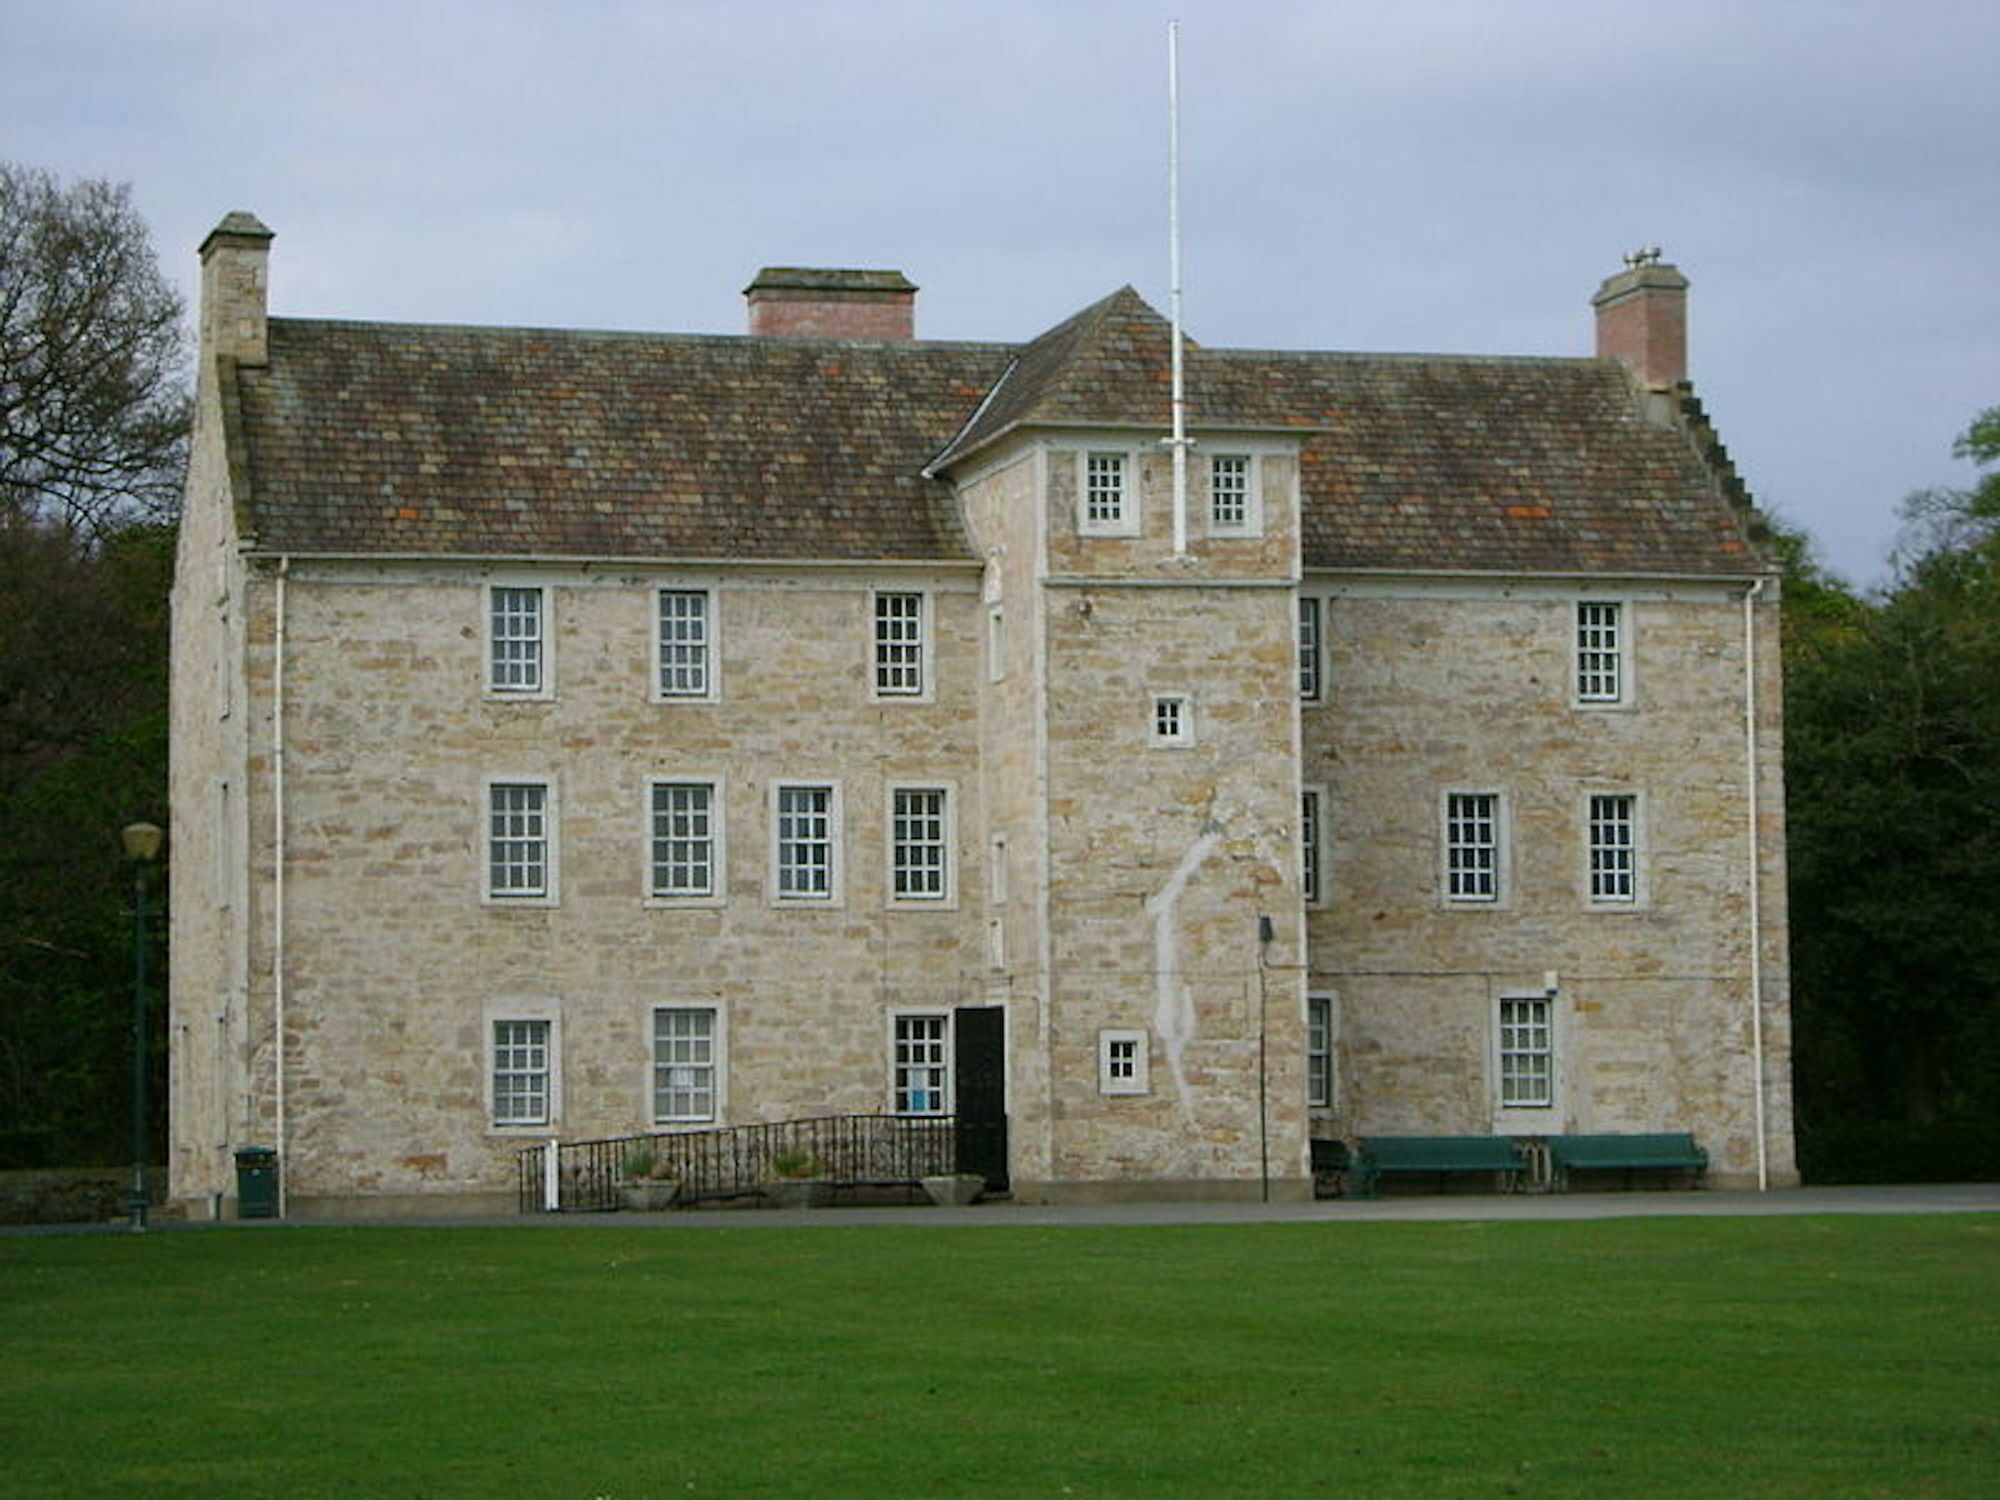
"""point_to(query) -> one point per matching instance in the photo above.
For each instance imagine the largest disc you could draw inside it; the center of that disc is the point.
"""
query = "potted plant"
(646, 1182)
(797, 1180)
(954, 1189)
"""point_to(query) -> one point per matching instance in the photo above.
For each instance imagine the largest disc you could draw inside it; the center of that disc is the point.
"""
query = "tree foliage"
(1893, 767)
(93, 400)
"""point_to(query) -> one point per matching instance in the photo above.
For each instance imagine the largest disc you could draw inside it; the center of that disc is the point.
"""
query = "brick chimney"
(1642, 320)
(235, 260)
(803, 303)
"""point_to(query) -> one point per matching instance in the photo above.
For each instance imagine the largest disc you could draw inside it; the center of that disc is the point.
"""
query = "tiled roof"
(372, 438)
(381, 438)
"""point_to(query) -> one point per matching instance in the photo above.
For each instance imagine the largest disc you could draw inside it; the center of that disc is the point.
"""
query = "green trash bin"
(256, 1183)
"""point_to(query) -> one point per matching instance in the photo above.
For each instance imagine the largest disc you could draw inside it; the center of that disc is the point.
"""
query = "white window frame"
(1534, 1112)
(543, 688)
(1449, 890)
(1171, 722)
(1126, 522)
(878, 645)
(551, 889)
(717, 1065)
(718, 843)
(711, 644)
(834, 896)
(1313, 804)
(898, 1097)
(1592, 660)
(1322, 1034)
(1252, 524)
(1634, 897)
(946, 898)
(1124, 1063)
(1311, 639)
(545, 1013)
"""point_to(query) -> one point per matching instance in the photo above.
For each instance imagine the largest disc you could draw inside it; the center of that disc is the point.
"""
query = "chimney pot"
(1642, 320)
(812, 303)
(235, 264)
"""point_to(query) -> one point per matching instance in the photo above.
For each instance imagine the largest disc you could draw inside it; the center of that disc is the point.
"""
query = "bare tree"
(93, 359)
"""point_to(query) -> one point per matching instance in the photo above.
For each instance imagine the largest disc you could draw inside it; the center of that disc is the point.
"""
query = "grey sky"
(1410, 176)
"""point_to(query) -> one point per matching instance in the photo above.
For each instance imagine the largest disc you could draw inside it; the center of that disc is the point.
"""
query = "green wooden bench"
(1403, 1155)
(1673, 1151)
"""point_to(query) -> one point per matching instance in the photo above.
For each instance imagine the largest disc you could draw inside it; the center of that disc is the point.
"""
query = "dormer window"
(1232, 507)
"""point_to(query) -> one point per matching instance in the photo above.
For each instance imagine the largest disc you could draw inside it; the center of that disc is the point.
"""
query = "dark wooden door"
(979, 1082)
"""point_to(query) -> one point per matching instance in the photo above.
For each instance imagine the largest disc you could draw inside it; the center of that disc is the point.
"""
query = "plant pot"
(798, 1192)
(955, 1189)
(645, 1195)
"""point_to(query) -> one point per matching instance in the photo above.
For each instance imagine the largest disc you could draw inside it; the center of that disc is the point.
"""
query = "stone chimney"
(235, 267)
(802, 303)
(1642, 320)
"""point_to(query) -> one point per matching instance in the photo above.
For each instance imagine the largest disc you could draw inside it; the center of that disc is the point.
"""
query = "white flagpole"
(1179, 441)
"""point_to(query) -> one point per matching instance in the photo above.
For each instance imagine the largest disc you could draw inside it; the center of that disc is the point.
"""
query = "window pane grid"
(1170, 719)
(1598, 667)
(1309, 831)
(1526, 1053)
(517, 640)
(1319, 1052)
(805, 841)
(1309, 650)
(1121, 1062)
(1472, 837)
(683, 1065)
(899, 643)
(920, 1075)
(517, 846)
(1104, 488)
(917, 833)
(683, 839)
(1613, 849)
(1229, 492)
(684, 643)
(520, 1072)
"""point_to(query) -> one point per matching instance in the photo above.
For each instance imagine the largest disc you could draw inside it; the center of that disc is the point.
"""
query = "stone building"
(580, 735)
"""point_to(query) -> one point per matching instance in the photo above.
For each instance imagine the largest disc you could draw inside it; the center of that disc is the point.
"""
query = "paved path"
(1957, 1198)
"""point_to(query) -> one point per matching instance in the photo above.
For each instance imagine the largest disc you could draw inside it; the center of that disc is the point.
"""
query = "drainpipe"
(1751, 774)
(278, 878)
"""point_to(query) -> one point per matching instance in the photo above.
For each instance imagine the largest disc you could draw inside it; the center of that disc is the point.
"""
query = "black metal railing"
(845, 1151)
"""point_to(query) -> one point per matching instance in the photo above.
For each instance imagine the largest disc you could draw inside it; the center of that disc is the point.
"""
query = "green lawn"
(1693, 1358)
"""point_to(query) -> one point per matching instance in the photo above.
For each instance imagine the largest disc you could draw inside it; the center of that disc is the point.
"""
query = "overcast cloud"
(1415, 177)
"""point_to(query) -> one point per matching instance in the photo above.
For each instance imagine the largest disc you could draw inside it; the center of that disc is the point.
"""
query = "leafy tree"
(93, 400)
(1893, 763)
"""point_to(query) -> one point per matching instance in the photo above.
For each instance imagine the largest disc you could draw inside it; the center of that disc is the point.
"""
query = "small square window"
(1173, 719)
(1105, 505)
(1230, 511)
(1122, 1062)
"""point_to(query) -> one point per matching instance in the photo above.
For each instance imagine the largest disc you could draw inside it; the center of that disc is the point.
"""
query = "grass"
(1745, 1357)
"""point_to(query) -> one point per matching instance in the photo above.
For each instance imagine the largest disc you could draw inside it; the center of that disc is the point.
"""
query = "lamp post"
(142, 847)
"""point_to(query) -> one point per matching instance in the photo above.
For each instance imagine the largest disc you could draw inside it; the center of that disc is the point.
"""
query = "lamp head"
(142, 842)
